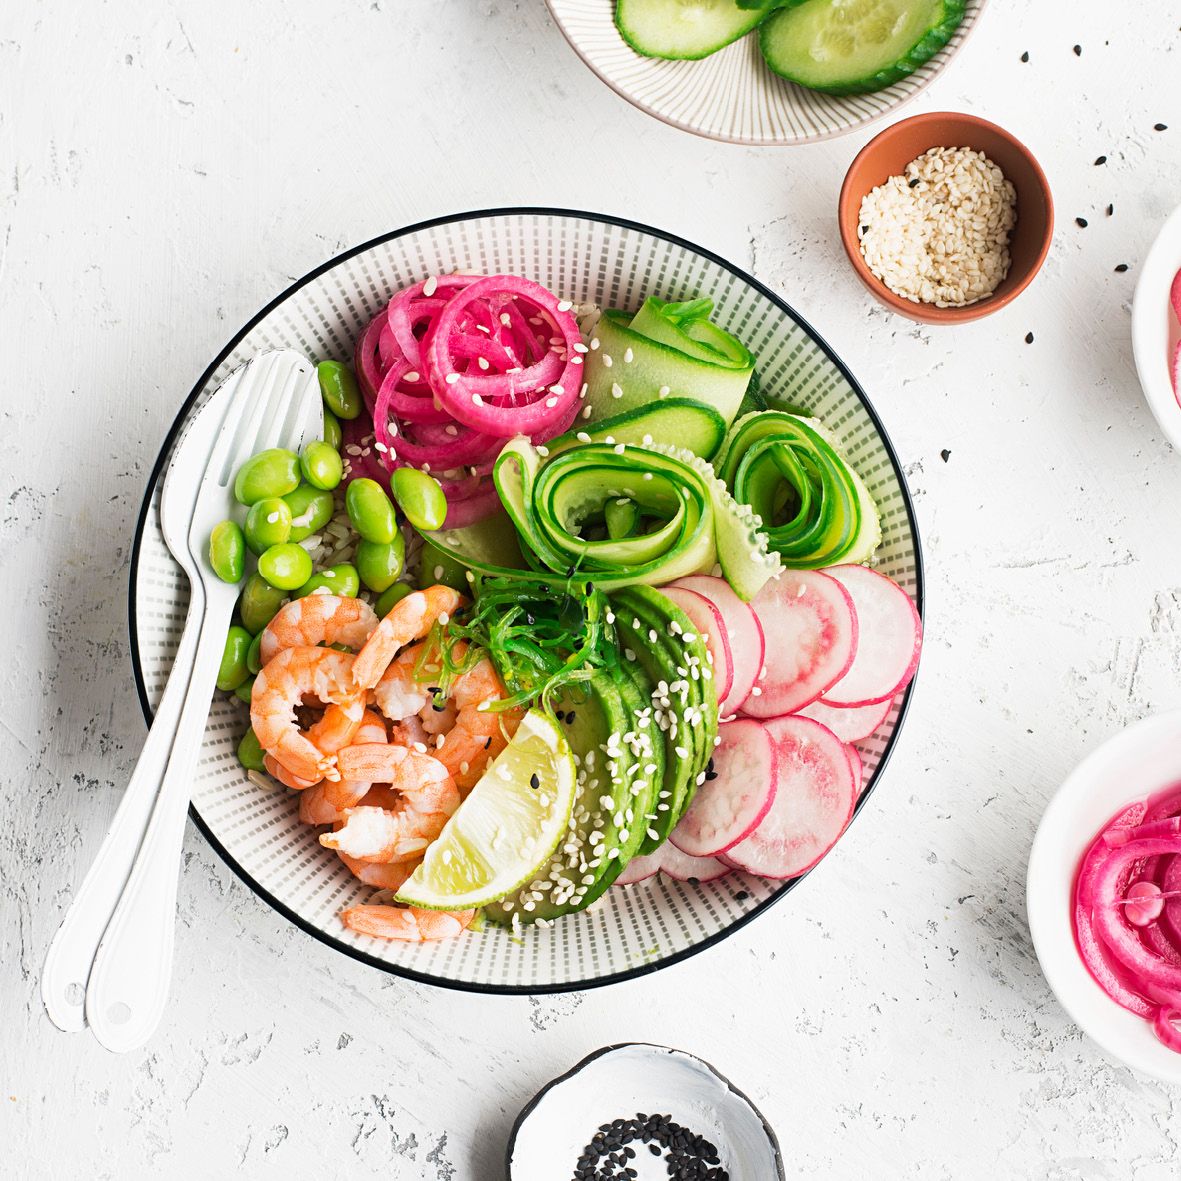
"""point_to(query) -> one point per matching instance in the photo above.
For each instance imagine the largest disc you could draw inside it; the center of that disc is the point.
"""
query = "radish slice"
(736, 794)
(744, 632)
(858, 765)
(1175, 295)
(683, 868)
(848, 724)
(814, 631)
(889, 639)
(639, 869)
(1175, 372)
(707, 619)
(813, 802)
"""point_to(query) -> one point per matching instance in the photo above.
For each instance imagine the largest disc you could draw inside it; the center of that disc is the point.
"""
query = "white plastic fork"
(74, 946)
(276, 404)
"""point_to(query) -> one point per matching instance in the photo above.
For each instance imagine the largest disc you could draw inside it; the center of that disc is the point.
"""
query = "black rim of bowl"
(529, 1107)
(166, 447)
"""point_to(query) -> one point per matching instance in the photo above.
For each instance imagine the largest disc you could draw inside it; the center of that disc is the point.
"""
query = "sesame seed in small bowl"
(945, 217)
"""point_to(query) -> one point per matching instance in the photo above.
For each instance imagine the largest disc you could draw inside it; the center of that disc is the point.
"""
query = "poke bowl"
(587, 259)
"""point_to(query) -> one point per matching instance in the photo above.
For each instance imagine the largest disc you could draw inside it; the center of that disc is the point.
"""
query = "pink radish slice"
(814, 634)
(813, 802)
(858, 766)
(707, 619)
(889, 639)
(743, 631)
(848, 724)
(1175, 372)
(728, 807)
(683, 868)
(639, 869)
(1175, 295)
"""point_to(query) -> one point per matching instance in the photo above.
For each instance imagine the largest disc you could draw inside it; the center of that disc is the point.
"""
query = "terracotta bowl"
(888, 153)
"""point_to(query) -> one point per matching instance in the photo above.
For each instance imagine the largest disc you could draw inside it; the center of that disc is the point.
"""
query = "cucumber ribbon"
(665, 349)
(815, 509)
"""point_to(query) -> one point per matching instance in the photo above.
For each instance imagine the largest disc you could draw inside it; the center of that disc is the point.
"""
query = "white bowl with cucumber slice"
(588, 259)
(767, 71)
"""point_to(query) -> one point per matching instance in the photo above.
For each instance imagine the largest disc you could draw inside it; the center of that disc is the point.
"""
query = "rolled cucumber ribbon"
(665, 350)
(815, 508)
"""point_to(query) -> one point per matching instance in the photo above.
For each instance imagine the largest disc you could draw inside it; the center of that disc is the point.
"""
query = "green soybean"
(268, 523)
(420, 497)
(254, 655)
(245, 691)
(227, 551)
(273, 472)
(321, 465)
(390, 597)
(258, 603)
(371, 511)
(250, 752)
(337, 580)
(285, 566)
(311, 509)
(233, 670)
(333, 435)
(339, 388)
(435, 566)
(381, 565)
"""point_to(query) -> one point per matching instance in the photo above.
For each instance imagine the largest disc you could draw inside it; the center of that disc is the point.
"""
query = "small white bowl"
(1137, 762)
(1155, 330)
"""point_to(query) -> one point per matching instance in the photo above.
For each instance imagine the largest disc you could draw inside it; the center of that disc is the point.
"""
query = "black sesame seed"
(1081, 222)
(865, 229)
(1160, 127)
(914, 183)
(654, 1149)
(534, 782)
(487, 743)
(1123, 266)
(741, 896)
(945, 454)
(1078, 51)
(1100, 160)
(1029, 338)
(1025, 56)
(1110, 210)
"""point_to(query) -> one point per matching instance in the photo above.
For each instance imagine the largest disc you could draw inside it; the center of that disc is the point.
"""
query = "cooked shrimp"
(323, 675)
(325, 802)
(407, 924)
(427, 798)
(474, 734)
(277, 771)
(390, 876)
(318, 619)
(409, 619)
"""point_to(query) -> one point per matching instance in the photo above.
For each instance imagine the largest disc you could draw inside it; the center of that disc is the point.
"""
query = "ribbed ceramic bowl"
(584, 257)
(732, 95)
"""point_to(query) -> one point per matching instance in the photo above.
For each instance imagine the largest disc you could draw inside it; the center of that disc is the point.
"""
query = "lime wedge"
(507, 827)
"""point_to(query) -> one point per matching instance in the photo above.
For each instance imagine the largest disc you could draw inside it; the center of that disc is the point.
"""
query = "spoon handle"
(71, 954)
(128, 986)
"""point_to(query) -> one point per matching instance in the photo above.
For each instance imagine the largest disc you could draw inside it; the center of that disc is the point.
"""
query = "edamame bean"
(339, 388)
(250, 752)
(370, 511)
(273, 472)
(254, 655)
(621, 516)
(390, 597)
(311, 509)
(233, 669)
(321, 465)
(381, 565)
(420, 497)
(436, 566)
(286, 566)
(337, 580)
(245, 691)
(258, 603)
(268, 523)
(332, 432)
(227, 551)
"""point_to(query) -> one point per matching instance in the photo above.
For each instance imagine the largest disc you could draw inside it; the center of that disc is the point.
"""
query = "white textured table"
(164, 170)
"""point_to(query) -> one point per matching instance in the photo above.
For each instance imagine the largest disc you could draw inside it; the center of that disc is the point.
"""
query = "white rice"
(939, 234)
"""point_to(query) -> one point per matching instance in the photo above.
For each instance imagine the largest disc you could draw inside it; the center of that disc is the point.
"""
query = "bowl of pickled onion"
(1103, 895)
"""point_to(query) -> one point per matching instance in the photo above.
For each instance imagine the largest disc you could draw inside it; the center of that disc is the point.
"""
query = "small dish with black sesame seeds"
(1156, 328)
(640, 1112)
(662, 635)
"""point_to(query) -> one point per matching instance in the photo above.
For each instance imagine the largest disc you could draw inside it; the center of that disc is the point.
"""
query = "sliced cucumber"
(684, 421)
(682, 29)
(856, 46)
